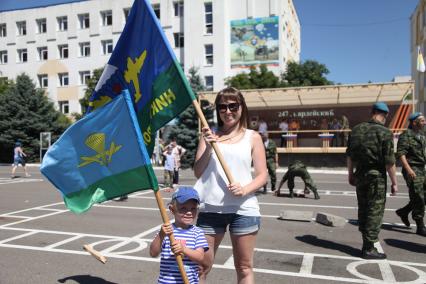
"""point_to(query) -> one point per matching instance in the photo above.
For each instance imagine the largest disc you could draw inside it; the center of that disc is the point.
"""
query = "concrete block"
(293, 215)
(330, 220)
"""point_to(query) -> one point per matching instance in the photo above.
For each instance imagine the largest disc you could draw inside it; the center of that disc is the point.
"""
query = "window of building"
(64, 107)
(208, 51)
(85, 49)
(126, 12)
(43, 81)
(63, 51)
(179, 40)
(3, 31)
(106, 17)
(84, 77)
(156, 8)
(209, 83)
(208, 10)
(63, 79)
(3, 56)
(21, 28)
(22, 55)
(42, 53)
(84, 21)
(178, 8)
(107, 46)
(41, 26)
(62, 23)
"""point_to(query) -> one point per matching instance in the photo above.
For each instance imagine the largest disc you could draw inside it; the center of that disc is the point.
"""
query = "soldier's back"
(366, 142)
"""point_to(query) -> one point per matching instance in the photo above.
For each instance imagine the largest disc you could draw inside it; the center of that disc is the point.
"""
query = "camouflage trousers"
(416, 191)
(168, 178)
(272, 171)
(371, 195)
(303, 174)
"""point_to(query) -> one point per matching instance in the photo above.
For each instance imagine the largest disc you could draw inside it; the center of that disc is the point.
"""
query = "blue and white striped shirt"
(193, 238)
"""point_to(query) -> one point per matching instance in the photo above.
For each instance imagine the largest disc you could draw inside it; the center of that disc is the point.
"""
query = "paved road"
(41, 241)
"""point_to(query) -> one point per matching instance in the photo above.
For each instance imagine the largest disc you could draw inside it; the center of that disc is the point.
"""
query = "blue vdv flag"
(100, 157)
(144, 63)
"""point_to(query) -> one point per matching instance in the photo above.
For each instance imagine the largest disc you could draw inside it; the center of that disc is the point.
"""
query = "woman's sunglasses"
(233, 107)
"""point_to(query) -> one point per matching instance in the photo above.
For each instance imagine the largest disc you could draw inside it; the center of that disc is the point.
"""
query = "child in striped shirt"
(190, 241)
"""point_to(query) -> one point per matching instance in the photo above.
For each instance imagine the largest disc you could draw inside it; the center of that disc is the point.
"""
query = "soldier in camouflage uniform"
(271, 160)
(371, 152)
(298, 169)
(411, 152)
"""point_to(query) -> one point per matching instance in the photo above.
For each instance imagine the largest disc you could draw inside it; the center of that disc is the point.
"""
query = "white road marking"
(307, 263)
(305, 270)
(17, 237)
(229, 262)
(63, 242)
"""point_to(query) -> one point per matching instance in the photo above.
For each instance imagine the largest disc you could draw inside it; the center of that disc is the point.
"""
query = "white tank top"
(212, 185)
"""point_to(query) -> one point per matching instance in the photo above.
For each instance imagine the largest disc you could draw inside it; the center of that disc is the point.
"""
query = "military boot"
(403, 216)
(421, 229)
(370, 252)
(291, 194)
(316, 195)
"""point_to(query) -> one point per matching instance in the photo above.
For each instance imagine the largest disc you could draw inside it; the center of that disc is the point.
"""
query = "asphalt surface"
(41, 241)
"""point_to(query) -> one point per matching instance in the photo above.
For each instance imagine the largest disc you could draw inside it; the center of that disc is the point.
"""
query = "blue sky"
(6, 5)
(358, 41)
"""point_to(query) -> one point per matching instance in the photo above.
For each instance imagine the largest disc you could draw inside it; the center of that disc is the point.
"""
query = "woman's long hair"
(231, 93)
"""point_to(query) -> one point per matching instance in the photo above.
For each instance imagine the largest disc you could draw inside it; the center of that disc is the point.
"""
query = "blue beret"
(414, 116)
(381, 106)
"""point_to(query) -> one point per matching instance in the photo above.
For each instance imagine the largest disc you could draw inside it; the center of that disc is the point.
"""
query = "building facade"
(418, 41)
(59, 46)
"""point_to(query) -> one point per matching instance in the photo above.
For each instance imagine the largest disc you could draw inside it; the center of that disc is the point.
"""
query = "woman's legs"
(214, 242)
(243, 249)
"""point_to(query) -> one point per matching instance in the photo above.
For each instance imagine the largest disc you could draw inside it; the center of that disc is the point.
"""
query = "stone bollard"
(293, 215)
(330, 220)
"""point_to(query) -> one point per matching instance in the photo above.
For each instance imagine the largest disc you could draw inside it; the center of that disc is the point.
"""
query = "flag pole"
(166, 220)
(214, 144)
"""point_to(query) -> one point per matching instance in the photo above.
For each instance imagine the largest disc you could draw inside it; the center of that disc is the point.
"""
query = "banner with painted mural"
(254, 41)
(144, 63)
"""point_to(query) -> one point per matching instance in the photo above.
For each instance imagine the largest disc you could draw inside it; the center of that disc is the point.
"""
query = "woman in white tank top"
(233, 206)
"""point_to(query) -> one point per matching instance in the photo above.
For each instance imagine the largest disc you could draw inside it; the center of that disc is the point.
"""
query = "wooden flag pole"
(166, 220)
(214, 145)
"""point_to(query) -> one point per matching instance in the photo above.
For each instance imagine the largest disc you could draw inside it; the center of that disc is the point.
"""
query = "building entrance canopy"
(323, 96)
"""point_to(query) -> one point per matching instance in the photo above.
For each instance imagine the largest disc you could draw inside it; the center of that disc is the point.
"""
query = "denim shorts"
(216, 223)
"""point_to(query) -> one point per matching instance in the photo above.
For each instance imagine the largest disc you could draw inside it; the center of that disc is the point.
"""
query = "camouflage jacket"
(271, 150)
(412, 145)
(370, 146)
(296, 165)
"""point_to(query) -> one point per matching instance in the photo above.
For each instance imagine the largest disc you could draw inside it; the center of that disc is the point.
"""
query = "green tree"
(186, 128)
(255, 79)
(308, 73)
(25, 112)
(90, 88)
(4, 84)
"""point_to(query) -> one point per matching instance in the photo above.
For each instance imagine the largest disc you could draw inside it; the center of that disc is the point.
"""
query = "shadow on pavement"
(410, 246)
(313, 240)
(85, 279)
(397, 228)
(388, 227)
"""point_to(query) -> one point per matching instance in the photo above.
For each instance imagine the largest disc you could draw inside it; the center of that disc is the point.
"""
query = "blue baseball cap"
(183, 194)
(381, 106)
(414, 116)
